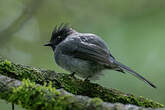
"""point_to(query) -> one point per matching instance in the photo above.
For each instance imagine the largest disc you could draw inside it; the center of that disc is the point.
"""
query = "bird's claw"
(87, 80)
(72, 75)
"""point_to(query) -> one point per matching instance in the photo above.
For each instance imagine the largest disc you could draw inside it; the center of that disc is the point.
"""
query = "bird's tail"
(134, 73)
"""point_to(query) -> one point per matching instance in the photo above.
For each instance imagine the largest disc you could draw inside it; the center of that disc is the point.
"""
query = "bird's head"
(58, 35)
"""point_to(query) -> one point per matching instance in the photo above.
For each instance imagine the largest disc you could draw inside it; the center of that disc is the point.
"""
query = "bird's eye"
(58, 37)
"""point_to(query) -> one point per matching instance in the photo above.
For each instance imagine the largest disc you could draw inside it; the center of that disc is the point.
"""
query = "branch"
(36, 97)
(72, 85)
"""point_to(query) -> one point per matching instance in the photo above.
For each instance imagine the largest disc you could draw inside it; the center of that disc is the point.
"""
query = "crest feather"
(62, 30)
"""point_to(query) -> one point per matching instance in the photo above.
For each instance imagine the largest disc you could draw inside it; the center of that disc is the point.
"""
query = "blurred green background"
(133, 29)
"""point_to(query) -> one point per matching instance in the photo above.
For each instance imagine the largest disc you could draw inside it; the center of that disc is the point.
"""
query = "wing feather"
(92, 52)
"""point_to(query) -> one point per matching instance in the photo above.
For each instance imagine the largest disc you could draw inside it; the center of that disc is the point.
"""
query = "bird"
(85, 54)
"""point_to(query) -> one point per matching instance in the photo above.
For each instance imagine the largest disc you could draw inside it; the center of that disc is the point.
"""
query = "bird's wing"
(93, 53)
(87, 51)
(94, 39)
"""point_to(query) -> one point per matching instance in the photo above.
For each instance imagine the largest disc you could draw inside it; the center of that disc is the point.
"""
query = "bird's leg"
(87, 79)
(72, 75)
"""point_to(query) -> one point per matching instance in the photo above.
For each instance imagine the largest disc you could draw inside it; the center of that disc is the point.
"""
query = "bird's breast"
(70, 63)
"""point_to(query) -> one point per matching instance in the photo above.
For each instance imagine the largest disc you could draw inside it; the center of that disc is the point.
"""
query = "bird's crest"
(60, 33)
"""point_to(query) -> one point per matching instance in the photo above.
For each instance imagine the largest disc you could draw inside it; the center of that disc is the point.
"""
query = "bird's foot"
(87, 80)
(72, 75)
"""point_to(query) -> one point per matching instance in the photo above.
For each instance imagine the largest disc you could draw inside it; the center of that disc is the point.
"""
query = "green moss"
(80, 87)
(5, 65)
(19, 71)
(36, 97)
(97, 101)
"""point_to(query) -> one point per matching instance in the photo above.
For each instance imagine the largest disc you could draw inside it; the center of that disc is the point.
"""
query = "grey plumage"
(85, 54)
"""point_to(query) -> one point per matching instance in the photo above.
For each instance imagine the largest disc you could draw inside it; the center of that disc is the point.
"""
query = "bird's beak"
(48, 44)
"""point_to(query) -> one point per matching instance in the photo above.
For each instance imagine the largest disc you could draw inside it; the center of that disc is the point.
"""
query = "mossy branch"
(72, 85)
(36, 97)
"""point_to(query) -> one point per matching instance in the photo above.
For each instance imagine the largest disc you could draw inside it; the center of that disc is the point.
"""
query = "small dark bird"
(85, 54)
